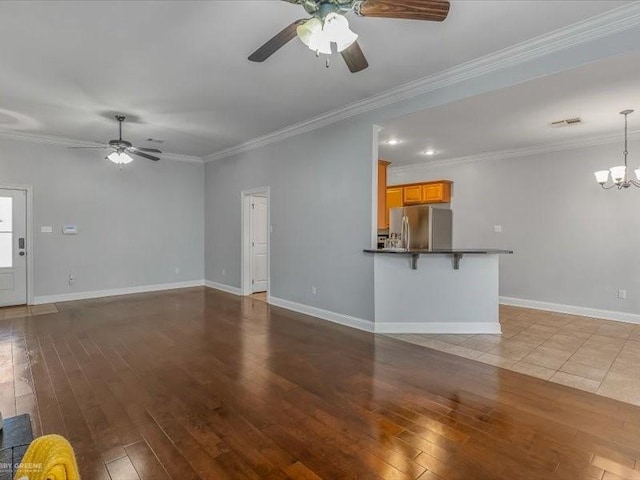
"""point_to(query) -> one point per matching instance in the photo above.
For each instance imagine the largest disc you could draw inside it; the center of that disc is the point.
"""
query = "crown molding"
(538, 149)
(600, 26)
(181, 158)
(71, 142)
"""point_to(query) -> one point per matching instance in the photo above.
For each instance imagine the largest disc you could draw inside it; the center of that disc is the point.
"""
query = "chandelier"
(619, 173)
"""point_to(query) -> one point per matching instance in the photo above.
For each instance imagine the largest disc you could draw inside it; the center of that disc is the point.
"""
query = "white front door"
(13, 248)
(259, 248)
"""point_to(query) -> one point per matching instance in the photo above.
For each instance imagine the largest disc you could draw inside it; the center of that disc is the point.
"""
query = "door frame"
(30, 243)
(245, 263)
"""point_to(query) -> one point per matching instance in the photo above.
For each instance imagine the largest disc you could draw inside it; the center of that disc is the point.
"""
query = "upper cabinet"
(438, 191)
(412, 194)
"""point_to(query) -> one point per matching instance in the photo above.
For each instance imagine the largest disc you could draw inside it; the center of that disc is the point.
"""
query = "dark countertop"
(455, 251)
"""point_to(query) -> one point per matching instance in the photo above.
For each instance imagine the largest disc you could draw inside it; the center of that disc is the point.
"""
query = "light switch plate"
(497, 228)
(46, 229)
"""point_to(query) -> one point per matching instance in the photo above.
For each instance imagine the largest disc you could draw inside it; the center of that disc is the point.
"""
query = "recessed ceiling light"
(429, 151)
(392, 141)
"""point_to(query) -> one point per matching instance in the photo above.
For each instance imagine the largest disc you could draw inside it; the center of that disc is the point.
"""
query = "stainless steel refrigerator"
(422, 227)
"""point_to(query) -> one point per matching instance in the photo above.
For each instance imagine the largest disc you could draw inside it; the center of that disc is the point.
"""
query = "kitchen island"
(421, 291)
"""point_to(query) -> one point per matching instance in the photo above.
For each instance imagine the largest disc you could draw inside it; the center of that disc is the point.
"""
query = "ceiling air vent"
(567, 122)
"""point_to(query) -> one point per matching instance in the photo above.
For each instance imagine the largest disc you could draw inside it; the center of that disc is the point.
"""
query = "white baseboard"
(223, 287)
(572, 310)
(334, 317)
(69, 297)
(442, 327)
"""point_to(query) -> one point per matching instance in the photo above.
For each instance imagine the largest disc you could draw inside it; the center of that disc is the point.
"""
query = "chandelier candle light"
(619, 173)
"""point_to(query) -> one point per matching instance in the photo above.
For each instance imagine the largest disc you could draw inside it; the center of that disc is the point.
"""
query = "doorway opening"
(255, 242)
(16, 246)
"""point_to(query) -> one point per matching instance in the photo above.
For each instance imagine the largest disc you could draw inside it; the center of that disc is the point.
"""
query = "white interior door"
(259, 248)
(13, 248)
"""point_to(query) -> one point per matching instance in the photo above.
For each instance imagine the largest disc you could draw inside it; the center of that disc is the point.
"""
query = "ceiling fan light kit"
(319, 35)
(119, 158)
(328, 25)
(618, 173)
(311, 34)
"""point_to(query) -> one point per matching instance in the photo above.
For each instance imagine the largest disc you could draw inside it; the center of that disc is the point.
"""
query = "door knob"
(21, 254)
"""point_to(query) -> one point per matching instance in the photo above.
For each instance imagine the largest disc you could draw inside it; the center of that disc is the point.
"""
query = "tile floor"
(27, 311)
(599, 356)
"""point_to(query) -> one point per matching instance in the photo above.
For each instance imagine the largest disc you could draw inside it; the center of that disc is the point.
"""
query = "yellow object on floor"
(49, 457)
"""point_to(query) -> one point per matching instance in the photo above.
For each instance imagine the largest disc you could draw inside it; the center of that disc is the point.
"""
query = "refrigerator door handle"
(405, 232)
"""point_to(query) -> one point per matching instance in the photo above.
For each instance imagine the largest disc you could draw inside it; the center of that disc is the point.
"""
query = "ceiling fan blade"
(106, 146)
(276, 43)
(433, 10)
(354, 58)
(142, 154)
(150, 150)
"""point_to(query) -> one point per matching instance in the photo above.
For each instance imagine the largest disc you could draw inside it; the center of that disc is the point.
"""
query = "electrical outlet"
(72, 279)
(177, 270)
(622, 294)
(223, 272)
(497, 228)
(314, 290)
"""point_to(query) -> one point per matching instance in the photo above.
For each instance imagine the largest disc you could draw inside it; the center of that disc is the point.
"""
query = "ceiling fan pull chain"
(327, 65)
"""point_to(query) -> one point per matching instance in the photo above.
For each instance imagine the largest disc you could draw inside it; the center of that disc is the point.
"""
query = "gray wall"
(320, 196)
(575, 244)
(321, 192)
(136, 225)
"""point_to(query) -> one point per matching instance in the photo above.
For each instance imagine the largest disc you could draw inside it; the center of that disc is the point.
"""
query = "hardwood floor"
(200, 384)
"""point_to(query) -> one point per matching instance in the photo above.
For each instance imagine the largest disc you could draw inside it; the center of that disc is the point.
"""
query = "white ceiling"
(519, 117)
(180, 67)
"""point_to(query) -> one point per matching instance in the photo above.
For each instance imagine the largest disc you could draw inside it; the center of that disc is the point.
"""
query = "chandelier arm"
(626, 149)
(608, 187)
(635, 183)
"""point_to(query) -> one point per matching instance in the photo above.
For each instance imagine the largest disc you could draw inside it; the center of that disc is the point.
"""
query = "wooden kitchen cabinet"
(418, 193)
(383, 209)
(412, 194)
(394, 200)
(436, 192)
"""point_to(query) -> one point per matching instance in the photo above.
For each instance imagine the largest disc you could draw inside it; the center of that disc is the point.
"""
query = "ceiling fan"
(328, 25)
(121, 148)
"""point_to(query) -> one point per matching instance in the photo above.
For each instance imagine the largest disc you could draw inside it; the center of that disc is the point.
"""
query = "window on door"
(6, 232)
